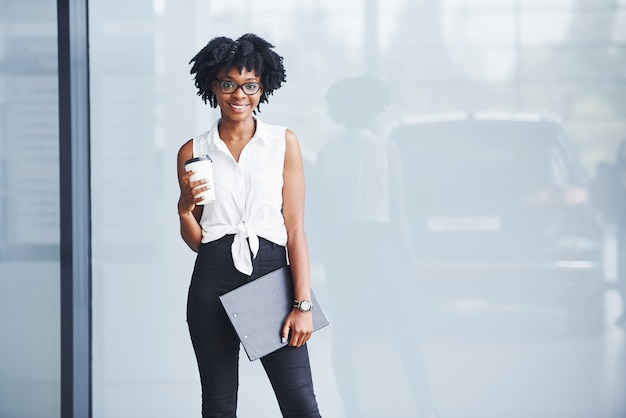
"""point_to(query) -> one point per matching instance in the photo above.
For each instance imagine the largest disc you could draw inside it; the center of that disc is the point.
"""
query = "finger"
(284, 333)
(300, 339)
(194, 184)
(185, 177)
(293, 341)
(305, 338)
(295, 338)
(197, 191)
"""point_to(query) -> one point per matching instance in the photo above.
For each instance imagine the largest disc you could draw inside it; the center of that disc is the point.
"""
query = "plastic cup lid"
(198, 158)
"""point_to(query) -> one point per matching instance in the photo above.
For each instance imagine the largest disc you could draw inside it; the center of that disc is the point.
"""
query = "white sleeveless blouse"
(248, 194)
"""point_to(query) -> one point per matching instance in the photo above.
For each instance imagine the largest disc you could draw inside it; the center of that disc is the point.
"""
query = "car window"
(512, 157)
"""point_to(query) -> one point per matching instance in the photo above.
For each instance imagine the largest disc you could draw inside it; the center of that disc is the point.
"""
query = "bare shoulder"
(290, 136)
(291, 141)
(186, 151)
(293, 154)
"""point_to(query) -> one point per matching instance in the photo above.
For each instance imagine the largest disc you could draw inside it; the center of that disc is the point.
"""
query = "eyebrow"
(247, 79)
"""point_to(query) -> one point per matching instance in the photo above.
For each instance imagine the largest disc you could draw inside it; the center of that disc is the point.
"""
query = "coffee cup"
(202, 166)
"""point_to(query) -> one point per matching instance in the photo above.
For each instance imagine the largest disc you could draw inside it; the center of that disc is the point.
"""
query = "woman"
(255, 221)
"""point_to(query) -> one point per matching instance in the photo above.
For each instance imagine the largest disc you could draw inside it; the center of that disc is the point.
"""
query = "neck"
(237, 130)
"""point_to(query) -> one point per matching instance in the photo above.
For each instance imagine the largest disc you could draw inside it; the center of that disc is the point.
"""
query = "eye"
(250, 86)
(227, 84)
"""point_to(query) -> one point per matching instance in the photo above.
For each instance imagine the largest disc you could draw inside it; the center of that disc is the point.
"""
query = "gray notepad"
(258, 309)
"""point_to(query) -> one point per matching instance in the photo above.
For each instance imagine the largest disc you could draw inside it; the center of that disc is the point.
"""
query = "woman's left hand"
(297, 328)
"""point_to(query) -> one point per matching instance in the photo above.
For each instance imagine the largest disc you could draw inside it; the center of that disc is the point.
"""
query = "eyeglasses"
(230, 87)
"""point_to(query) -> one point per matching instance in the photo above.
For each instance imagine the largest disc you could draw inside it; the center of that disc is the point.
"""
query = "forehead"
(234, 74)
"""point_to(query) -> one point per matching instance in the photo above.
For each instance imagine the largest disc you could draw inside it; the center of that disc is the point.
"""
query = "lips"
(238, 107)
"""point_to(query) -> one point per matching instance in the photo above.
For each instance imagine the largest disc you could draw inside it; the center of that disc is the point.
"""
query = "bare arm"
(189, 212)
(300, 323)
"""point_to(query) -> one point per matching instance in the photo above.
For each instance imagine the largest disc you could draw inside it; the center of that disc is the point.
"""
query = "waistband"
(228, 239)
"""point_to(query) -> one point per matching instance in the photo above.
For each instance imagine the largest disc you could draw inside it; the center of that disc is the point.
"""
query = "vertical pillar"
(519, 58)
(371, 36)
(75, 211)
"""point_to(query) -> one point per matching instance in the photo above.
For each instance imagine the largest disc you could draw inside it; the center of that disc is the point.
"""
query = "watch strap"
(298, 304)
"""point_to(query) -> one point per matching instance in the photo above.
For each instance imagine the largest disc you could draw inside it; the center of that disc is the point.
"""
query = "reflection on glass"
(483, 360)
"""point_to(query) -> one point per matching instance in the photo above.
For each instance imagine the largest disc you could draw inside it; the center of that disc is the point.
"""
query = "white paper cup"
(202, 167)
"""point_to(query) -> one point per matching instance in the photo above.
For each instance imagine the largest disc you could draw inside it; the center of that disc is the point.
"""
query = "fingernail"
(283, 340)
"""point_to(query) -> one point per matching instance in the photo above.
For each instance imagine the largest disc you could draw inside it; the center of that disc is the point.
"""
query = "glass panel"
(29, 211)
(143, 365)
(513, 319)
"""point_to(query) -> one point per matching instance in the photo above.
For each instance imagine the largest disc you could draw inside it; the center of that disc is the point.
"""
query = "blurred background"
(548, 78)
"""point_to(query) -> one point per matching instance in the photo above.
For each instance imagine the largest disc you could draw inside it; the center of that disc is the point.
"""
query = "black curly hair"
(249, 51)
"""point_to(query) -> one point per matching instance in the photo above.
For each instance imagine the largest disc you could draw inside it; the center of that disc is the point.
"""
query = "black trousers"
(216, 344)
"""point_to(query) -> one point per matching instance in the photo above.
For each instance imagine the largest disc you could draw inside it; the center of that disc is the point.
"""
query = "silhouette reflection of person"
(365, 244)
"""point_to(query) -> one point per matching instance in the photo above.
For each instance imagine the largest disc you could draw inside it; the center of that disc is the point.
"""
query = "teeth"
(240, 107)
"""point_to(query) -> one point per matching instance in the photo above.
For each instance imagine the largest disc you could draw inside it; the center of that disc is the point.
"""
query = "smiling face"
(238, 105)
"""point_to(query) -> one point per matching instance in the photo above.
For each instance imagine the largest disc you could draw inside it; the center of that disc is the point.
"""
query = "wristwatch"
(303, 305)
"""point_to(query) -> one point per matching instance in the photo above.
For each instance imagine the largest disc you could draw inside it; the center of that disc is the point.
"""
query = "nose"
(239, 92)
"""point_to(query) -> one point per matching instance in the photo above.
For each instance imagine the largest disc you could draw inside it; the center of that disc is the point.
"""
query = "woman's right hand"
(189, 193)
(189, 212)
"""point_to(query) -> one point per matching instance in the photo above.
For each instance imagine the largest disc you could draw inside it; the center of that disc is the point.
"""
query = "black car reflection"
(499, 209)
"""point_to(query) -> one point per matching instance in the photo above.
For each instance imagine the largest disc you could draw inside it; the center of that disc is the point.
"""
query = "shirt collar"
(259, 135)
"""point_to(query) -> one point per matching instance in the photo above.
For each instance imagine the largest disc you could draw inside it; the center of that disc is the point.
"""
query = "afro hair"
(249, 51)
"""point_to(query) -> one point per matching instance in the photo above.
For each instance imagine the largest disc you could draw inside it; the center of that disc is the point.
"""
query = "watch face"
(305, 305)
